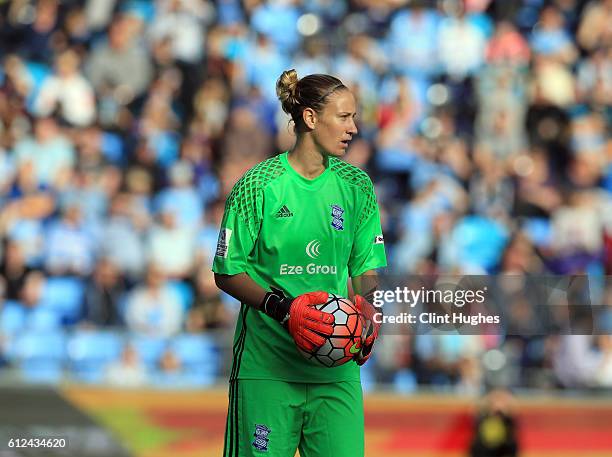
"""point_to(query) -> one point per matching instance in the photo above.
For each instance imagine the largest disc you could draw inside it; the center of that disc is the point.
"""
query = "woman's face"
(334, 127)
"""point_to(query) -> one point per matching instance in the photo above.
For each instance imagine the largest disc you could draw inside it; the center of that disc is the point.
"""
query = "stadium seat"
(149, 349)
(90, 351)
(64, 295)
(43, 319)
(199, 357)
(39, 355)
(12, 317)
(184, 292)
(38, 72)
(368, 381)
(405, 382)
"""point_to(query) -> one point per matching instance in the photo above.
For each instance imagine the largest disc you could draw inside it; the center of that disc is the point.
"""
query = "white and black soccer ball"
(345, 341)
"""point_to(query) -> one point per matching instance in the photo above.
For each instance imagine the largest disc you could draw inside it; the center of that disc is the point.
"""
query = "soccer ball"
(345, 342)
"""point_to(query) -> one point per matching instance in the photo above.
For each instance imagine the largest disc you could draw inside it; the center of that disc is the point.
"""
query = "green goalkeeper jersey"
(298, 235)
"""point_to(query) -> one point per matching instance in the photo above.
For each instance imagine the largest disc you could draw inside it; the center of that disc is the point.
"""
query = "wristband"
(276, 305)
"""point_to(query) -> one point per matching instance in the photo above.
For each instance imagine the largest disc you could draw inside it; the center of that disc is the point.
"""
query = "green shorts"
(274, 418)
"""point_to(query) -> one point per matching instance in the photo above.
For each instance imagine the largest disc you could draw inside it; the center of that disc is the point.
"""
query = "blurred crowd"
(124, 124)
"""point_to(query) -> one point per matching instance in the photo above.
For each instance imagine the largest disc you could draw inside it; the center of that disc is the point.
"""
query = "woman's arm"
(242, 288)
(366, 284)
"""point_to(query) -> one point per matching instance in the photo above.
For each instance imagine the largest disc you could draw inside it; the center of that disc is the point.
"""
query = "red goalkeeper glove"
(371, 328)
(307, 325)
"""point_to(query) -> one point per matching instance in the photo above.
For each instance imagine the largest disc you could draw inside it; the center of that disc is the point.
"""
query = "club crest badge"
(261, 437)
(337, 220)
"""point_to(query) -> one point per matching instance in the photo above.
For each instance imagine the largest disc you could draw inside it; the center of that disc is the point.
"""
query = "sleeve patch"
(223, 243)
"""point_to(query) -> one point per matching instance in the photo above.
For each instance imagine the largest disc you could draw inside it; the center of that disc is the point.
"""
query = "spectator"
(69, 91)
(550, 39)
(244, 138)
(36, 42)
(49, 153)
(461, 44)
(158, 125)
(209, 311)
(507, 46)
(154, 308)
(576, 232)
(122, 237)
(261, 62)
(492, 191)
(277, 20)
(211, 108)
(27, 205)
(183, 22)
(182, 196)
(361, 63)
(413, 41)
(579, 363)
(171, 245)
(552, 82)
(594, 80)
(128, 371)
(14, 270)
(198, 154)
(103, 294)
(119, 70)
(32, 290)
(70, 244)
(594, 28)
(17, 85)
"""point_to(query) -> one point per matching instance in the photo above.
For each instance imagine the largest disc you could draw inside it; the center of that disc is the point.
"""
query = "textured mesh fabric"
(359, 178)
(247, 193)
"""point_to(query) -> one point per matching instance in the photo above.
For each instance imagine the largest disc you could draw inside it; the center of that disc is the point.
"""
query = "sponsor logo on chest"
(312, 250)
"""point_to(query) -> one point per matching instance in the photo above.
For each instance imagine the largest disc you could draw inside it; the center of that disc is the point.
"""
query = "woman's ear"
(310, 118)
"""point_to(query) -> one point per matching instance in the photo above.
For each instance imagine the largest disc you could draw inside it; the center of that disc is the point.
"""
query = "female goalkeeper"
(300, 222)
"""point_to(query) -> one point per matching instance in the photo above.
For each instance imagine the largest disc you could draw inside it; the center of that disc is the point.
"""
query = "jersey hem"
(228, 271)
(300, 380)
(369, 268)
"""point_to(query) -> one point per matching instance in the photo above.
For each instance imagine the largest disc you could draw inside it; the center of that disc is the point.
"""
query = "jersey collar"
(301, 180)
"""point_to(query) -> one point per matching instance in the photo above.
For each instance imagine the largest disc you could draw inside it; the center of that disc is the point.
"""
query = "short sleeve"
(368, 252)
(239, 228)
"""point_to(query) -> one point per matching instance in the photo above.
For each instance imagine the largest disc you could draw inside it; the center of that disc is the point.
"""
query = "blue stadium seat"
(90, 351)
(368, 381)
(64, 295)
(199, 357)
(43, 319)
(12, 317)
(184, 292)
(194, 349)
(38, 72)
(39, 355)
(405, 382)
(149, 349)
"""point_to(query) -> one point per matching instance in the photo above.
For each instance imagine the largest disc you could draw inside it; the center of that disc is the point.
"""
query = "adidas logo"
(284, 212)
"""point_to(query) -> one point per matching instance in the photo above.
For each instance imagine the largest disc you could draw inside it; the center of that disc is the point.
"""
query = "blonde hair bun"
(286, 90)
